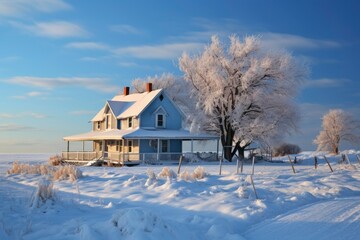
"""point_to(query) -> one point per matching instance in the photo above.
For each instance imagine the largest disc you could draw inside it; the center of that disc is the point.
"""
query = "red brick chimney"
(126, 91)
(148, 87)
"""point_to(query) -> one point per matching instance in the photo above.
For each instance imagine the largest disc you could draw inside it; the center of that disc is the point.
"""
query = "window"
(164, 145)
(160, 120)
(130, 146)
(98, 125)
(130, 122)
(108, 121)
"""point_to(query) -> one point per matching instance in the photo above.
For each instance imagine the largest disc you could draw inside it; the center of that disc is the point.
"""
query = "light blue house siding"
(175, 146)
(173, 120)
(173, 117)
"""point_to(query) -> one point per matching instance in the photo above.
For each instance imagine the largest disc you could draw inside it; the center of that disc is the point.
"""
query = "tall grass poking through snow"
(199, 173)
(29, 169)
(57, 173)
(167, 172)
(56, 160)
(44, 192)
(67, 172)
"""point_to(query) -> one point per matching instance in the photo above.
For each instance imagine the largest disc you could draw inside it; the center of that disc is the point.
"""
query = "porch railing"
(146, 158)
(81, 156)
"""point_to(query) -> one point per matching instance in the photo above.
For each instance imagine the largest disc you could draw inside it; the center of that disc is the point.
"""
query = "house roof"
(128, 106)
(139, 133)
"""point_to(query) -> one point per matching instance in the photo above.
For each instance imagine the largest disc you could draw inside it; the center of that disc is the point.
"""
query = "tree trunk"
(227, 141)
(239, 149)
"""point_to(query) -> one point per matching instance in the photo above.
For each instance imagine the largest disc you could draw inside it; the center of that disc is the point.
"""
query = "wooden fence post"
(292, 165)
(253, 165)
(221, 162)
(180, 162)
(237, 165)
(347, 159)
(315, 162)
(328, 163)
(253, 185)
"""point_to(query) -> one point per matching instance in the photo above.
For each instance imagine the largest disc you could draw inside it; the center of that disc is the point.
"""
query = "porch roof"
(139, 133)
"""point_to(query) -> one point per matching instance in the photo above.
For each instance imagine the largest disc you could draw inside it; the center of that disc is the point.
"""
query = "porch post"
(123, 150)
(217, 149)
(103, 148)
(67, 150)
(192, 146)
(158, 150)
(119, 149)
(83, 150)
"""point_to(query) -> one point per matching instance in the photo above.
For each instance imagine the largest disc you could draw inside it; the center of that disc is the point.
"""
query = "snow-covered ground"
(123, 203)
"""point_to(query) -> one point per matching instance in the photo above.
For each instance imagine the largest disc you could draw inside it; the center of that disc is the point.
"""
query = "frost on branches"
(337, 126)
(244, 93)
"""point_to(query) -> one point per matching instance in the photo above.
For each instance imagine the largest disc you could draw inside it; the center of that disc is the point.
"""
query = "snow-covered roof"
(142, 100)
(118, 107)
(128, 106)
(139, 133)
(113, 134)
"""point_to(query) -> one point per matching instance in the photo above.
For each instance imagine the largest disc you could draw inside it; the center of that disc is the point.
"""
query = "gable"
(165, 105)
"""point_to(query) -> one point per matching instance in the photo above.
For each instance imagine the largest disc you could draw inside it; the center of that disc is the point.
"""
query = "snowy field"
(124, 203)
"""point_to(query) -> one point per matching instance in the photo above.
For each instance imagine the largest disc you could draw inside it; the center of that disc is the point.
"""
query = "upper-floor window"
(98, 125)
(160, 120)
(130, 122)
(108, 121)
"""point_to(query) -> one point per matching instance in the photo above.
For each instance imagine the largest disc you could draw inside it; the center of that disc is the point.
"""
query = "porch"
(136, 146)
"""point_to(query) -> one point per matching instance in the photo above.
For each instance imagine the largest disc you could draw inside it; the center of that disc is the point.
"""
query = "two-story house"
(136, 127)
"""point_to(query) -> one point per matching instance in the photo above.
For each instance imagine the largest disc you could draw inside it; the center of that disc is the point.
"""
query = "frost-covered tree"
(338, 126)
(243, 92)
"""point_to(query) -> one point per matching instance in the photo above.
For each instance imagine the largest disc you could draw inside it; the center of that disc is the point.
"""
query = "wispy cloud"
(13, 127)
(22, 115)
(163, 51)
(55, 29)
(98, 84)
(18, 8)
(290, 41)
(125, 29)
(326, 83)
(30, 95)
(87, 45)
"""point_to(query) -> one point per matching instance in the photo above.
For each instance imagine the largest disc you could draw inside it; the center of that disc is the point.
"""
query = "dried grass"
(18, 168)
(167, 172)
(199, 173)
(55, 160)
(44, 192)
(67, 172)
(57, 173)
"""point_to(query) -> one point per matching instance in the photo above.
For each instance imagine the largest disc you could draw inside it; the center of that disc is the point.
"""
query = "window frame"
(130, 122)
(163, 120)
(108, 121)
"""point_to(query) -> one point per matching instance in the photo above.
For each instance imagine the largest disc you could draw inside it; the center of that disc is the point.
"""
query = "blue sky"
(61, 60)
